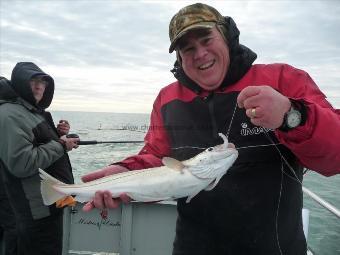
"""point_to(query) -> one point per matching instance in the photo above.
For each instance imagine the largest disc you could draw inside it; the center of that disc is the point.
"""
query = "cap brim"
(45, 77)
(40, 75)
(204, 25)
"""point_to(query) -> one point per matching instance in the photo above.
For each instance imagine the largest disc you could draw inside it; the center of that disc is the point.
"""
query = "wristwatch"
(296, 116)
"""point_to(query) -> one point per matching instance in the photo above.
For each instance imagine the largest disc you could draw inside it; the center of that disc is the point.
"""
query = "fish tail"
(49, 194)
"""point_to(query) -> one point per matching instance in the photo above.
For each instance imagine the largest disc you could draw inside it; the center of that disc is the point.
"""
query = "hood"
(241, 59)
(21, 74)
(6, 91)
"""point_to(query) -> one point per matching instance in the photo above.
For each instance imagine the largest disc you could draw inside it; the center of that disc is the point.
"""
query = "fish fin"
(213, 184)
(173, 164)
(48, 193)
(203, 171)
(192, 196)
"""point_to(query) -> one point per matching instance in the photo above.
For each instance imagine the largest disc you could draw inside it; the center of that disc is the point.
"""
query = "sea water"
(324, 228)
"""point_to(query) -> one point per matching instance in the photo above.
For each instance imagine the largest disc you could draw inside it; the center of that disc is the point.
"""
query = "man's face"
(205, 57)
(38, 86)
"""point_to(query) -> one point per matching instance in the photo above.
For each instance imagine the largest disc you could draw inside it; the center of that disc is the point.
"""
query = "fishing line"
(189, 147)
(237, 148)
(278, 210)
(255, 146)
(227, 134)
(283, 161)
(231, 121)
(283, 172)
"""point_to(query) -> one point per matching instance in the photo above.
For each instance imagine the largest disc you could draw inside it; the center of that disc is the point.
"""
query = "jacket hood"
(6, 91)
(241, 59)
(21, 75)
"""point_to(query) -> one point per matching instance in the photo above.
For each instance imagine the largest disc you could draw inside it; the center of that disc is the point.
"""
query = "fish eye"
(210, 149)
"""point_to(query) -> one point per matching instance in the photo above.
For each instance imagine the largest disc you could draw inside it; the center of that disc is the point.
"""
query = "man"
(29, 141)
(278, 127)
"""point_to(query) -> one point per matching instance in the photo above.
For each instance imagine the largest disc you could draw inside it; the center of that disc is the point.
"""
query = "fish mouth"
(225, 154)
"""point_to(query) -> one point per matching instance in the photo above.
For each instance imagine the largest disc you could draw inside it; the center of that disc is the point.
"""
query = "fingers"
(72, 143)
(257, 122)
(63, 121)
(254, 113)
(264, 105)
(103, 199)
(125, 198)
(63, 127)
(63, 124)
(246, 94)
(88, 206)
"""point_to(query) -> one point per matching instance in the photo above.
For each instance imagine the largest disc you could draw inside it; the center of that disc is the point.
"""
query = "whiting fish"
(174, 180)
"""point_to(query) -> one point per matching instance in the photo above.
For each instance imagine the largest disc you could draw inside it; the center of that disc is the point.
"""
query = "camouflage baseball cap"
(192, 17)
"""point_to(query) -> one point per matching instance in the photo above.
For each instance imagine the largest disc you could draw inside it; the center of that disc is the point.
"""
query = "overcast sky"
(112, 56)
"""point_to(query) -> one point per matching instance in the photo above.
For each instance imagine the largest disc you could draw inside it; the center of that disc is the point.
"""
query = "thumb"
(125, 198)
(88, 206)
(93, 175)
(245, 93)
(109, 170)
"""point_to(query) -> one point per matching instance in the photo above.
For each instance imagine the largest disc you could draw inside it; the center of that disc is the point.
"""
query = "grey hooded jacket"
(29, 142)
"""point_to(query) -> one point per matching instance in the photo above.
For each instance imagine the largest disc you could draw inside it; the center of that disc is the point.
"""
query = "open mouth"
(207, 65)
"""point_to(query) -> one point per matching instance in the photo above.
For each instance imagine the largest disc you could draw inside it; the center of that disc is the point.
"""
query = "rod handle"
(87, 142)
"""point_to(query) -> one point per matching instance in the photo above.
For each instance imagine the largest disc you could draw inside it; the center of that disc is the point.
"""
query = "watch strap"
(299, 106)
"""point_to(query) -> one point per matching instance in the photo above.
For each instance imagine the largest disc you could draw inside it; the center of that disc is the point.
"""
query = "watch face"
(293, 119)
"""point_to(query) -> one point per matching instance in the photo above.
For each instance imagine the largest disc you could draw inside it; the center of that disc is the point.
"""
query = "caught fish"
(174, 180)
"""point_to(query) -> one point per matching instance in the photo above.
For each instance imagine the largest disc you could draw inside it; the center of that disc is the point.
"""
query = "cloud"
(112, 55)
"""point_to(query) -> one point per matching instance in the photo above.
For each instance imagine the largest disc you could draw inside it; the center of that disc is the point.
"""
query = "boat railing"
(335, 211)
(123, 232)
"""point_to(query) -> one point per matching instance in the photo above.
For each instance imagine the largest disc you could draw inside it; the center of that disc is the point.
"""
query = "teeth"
(207, 65)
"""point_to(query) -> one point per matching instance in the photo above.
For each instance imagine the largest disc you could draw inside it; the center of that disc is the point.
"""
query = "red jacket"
(315, 144)
(260, 194)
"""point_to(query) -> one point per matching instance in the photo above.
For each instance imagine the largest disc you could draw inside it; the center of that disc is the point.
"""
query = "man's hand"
(69, 143)
(103, 199)
(63, 127)
(264, 105)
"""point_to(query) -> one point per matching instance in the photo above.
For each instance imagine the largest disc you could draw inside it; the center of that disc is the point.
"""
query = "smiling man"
(256, 207)
(204, 57)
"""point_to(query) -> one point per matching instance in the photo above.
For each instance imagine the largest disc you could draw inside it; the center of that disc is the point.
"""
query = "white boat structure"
(136, 228)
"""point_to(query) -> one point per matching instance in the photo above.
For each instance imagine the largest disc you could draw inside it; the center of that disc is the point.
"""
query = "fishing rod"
(100, 142)
(92, 142)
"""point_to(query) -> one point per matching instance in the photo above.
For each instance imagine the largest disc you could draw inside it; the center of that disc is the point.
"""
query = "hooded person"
(29, 141)
(22, 74)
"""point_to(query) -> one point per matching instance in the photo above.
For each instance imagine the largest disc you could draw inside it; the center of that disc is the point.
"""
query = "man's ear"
(179, 59)
(223, 31)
